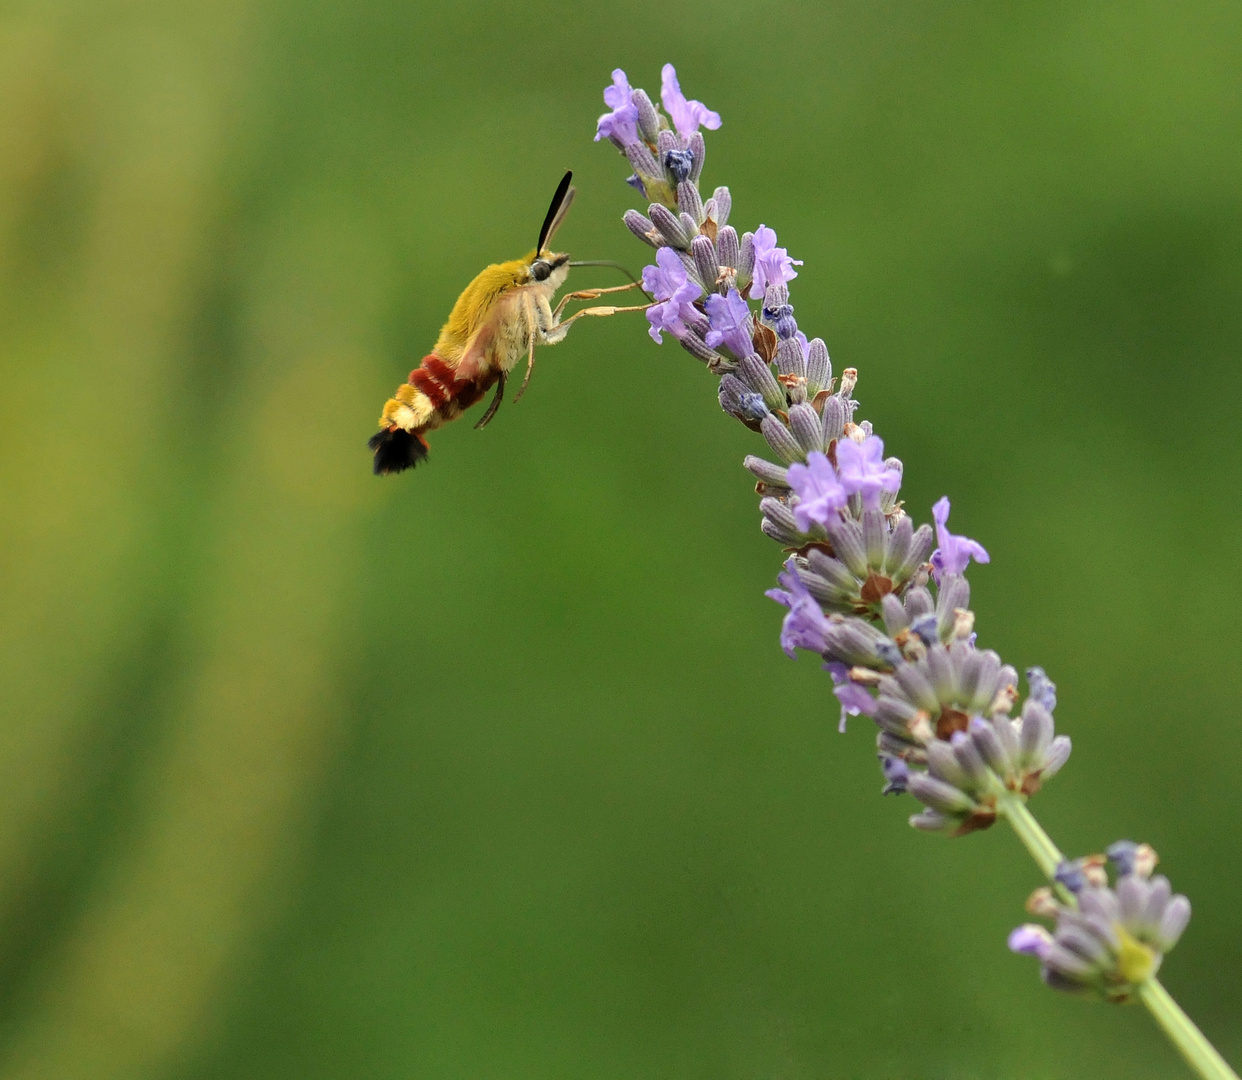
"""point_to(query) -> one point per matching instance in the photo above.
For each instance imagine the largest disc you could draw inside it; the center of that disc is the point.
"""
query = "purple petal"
(621, 124)
(687, 116)
(1030, 940)
(954, 553)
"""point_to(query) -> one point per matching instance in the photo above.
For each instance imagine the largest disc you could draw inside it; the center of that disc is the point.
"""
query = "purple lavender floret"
(669, 283)
(855, 701)
(687, 115)
(954, 552)
(773, 266)
(731, 323)
(863, 470)
(821, 496)
(621, 124)
(805, 626)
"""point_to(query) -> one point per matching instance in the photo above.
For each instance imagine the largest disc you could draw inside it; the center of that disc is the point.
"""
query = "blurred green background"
(496, 769)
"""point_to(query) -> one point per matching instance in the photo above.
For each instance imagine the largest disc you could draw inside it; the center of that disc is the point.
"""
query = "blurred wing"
(504, 329)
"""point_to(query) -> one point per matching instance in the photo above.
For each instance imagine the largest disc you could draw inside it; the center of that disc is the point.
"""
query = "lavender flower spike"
(668, 282)
(773, 266)
(954, 552)
(863, 471)
(731, 323)
(820, 494)
(620, 125)
(895, 631)
(1108, 942)
(687, 115)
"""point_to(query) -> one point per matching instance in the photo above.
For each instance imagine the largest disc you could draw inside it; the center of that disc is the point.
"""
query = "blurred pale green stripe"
(94, 415)
(113, 134)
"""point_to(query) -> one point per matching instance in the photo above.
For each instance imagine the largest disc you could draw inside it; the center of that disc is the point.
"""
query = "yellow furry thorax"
(476, 300)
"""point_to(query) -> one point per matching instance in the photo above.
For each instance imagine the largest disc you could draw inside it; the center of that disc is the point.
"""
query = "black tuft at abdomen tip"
(396, 450)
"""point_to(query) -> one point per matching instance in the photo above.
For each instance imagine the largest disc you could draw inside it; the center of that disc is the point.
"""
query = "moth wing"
(479, 357)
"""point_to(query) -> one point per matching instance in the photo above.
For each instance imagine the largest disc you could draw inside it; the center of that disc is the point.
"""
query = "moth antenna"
(556, 212)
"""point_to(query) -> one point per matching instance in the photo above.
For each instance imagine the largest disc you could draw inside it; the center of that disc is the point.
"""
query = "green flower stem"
(1046, 854)
(1200, 1054)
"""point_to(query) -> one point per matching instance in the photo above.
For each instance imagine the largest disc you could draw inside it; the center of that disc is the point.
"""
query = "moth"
(499, 318)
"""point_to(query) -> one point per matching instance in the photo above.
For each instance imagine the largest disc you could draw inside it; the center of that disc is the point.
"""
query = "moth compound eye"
(540, 270)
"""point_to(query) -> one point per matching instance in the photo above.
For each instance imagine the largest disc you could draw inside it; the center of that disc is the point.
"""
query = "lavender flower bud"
(916, 686)
(669, 226)
(746, 261)
(760, 378)
(990, 747)
(966, 750)
(780, 514)
(690, 204)
(698, 151)
(704, 252)
(644, 165)
(700, 350)
(1036, 735)
(930, 821)
(833, 419)
(767, 472)
(724, 205)
(900, 566)
(954, 593)
(774, 532)
(832, 596)
(888, 499)
(847, 542)
(919, 603)
(818, 368)
(856, 642)
(789, 362)
(893, 612)
(783, 444)
(776, 295)
(832, 569)
(689, 222)
(677, 165)
(667, 140)
(648, 118)
(898, 717)
(942, 764)
(791, 369)
(1058, 754)
(741, 401)
(938, 795)
(804, 423)
(940, 672)
(642, 227)
(727, 246)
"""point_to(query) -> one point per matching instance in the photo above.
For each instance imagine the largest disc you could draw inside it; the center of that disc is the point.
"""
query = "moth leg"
(486, 418)
(589, 294)
(530, 367)
(562, 327)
